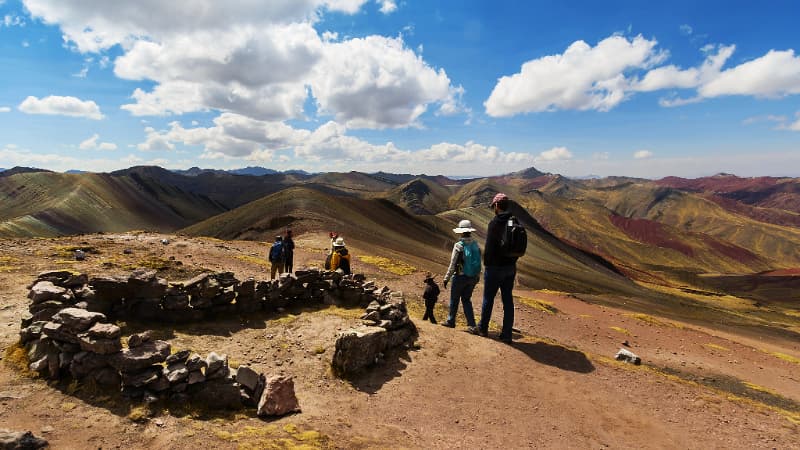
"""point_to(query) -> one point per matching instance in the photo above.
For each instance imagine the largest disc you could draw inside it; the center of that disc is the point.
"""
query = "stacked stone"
(140, 366)
(246, 299)
(386, 326)
(145, 294)
(53, 291)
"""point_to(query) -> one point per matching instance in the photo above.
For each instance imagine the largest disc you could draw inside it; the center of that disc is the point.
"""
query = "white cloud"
(4, 109)
(26, 44)
(581, 78)
(643, 154)
(686, 29)
(377, 82)
(784, 124)
(776, 74)
(63, 106)
(766, 118)
(387, 6)
(257, 59)
(155, 141)
(673, 77)
(600, 156)
(92, 144)
(555, 154)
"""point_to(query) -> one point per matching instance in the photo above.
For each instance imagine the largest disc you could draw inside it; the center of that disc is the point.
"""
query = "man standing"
(276, 257)
(288, 252)
(500, 270)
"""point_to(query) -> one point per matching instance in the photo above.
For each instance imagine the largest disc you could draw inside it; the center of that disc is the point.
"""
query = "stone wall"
(70, 332)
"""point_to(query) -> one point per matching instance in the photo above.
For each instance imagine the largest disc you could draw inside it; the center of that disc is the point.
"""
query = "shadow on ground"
(372, 380)
(556, 356)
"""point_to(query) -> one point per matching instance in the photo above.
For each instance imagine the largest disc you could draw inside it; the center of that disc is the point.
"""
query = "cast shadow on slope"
(556, 356)
(372, 381)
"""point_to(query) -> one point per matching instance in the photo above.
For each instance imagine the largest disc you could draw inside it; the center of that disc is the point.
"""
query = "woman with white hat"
(465, 270)
(340, 258)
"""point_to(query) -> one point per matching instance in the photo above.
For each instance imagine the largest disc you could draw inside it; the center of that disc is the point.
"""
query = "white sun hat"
(465, 226)
(339, 242)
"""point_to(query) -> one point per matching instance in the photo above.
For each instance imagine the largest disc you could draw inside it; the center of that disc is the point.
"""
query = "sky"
(460, 88)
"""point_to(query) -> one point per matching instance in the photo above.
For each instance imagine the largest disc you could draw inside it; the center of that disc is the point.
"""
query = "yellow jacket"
(337, 257)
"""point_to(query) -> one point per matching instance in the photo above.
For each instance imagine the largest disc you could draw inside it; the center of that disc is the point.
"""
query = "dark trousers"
(288, 265)
(502, 278)
(429, 304)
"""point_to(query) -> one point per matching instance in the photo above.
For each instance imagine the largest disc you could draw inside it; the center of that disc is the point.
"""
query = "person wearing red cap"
(499, 270)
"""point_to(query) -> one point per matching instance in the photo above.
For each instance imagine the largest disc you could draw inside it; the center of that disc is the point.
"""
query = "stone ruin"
(70, 332)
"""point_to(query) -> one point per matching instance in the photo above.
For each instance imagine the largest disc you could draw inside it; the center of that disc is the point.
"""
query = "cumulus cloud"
(582, 78)
(555, 154)
(92, 144)
(4, 109)
(643, 154)
(62, 106)
(686, 29)
(155, 141)
(387, 6)
(377, 82)
(673, 77)
(258, 59)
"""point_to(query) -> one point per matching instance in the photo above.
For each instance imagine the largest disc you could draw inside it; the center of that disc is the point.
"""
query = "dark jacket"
(431, 291)
(492, 254)
(288, 247)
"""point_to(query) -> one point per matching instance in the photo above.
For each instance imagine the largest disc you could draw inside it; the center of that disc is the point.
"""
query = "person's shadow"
(556, 356)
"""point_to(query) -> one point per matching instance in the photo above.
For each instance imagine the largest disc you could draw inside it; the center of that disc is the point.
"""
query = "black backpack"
(515, 239)
(276, 252)
(344, 263)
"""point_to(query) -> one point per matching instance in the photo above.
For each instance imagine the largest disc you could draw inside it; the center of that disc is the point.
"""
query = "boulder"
(104, 331)
(215, 362)
(143, 283)
(159, 385)
(77, 319)
(196, 362)
(141, 377)
(176, 372)
(137, 339)
(226, 279)
(628, 357)
(46, 290)
(247, 378)
(19, 440)
(219, 394)
(195, 377)
(178, 357)
(109, 289)
(358, 348)
(31, 332)
(137, 358)
(176, 302)
(59, 332)
(85, 363)
(57, 277)
(108, 377)
(278, 397)
(99, 345)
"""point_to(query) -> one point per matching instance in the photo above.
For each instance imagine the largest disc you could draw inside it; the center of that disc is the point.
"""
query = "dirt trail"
(556, 386)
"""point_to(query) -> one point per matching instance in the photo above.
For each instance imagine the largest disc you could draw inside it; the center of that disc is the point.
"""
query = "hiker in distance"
(340, 258)
(276, 257)
(431, 296)
(465, 270)
(288, 252)
(505, 242)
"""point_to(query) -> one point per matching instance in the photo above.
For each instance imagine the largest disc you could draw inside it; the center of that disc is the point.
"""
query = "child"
(431, 295)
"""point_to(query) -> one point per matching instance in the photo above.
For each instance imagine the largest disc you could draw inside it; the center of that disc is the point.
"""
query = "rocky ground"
(556, 386)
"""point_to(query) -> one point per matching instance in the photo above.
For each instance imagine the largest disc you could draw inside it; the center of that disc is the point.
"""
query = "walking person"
(431, 296)
(276, 257)
(288, 252)
(505, 242)
(465, 270)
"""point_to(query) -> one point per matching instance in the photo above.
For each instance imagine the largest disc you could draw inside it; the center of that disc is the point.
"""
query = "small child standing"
(431, 295)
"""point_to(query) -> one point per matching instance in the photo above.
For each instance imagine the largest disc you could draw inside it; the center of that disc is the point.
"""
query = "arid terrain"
(703, 383)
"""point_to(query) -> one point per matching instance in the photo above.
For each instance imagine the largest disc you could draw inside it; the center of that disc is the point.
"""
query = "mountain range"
(712, 236)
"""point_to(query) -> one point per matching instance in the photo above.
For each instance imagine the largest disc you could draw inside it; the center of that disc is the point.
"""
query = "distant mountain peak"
(19, 169)
(529, 173)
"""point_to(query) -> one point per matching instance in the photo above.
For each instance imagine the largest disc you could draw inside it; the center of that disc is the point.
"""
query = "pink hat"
(498, 197)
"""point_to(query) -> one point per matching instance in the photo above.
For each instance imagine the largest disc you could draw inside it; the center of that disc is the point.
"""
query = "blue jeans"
(494, 278)
(461, 290)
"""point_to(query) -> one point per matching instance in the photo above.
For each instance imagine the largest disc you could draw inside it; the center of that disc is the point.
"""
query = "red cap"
(498, 197)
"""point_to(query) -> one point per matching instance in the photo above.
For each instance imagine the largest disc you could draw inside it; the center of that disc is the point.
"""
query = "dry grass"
(783, 356)
(16, 357)
(254, 260)
(716, 347)
(9, 264)
(621, 330)
(540, 305)
(389, 265)
(288, 437)
(139, 413)
(650, 320)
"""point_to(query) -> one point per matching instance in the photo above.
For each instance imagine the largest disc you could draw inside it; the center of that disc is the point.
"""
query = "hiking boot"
(484, 333)
(505, 339)
(473, 330)
(448, 324)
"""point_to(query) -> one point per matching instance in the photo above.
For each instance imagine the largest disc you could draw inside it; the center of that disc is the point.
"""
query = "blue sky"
(438, 87)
